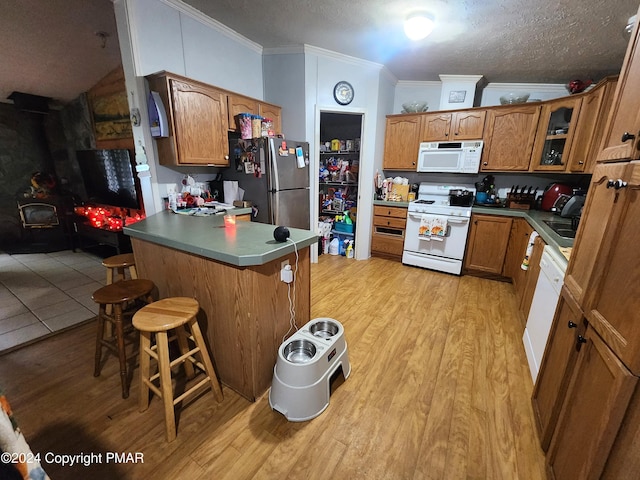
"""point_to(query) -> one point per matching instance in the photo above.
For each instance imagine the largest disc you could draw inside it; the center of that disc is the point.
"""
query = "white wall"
(538, 91)
(169, 35)
(417, 91)
(323, 70)
(284, 85)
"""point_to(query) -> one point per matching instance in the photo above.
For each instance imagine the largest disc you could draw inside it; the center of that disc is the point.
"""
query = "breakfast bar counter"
(234, 273)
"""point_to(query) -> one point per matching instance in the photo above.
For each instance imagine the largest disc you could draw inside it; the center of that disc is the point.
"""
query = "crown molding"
(536, 87)
(461, 78)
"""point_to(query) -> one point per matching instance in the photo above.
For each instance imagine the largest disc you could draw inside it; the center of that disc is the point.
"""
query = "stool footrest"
(200, 384)
(149, 383)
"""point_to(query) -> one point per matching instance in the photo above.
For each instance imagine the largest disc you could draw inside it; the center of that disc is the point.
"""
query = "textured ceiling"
(504, 40)
(49, 47)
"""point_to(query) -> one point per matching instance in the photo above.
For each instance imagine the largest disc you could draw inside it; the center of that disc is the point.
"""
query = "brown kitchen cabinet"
(597, 223)
(509, 136)
(516, 249)
(557, 366)
(524, 281)
(198, 122)
(237, 104)
(597, 398)
(273, 112)
(487, 245)
(554, 138)
(401, 142)
(387, 238)
(622, 133)
(454, 126)
(614, 312)
(596, 105)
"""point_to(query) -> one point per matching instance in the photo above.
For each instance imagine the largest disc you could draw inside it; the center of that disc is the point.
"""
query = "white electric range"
(444, 250)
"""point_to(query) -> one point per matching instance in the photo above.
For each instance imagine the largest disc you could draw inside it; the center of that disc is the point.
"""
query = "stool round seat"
(123, 291)
(166, 314)
(124, 260)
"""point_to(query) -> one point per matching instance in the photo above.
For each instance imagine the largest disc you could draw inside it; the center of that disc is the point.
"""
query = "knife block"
(520, 201)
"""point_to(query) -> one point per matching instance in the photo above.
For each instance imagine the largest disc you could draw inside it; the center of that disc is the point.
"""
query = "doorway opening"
(340, 135)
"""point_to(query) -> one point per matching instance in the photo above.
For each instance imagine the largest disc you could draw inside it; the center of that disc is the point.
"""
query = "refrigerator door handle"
(275, 185)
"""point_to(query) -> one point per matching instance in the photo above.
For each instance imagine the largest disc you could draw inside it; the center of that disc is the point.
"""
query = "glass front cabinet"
(556, 129)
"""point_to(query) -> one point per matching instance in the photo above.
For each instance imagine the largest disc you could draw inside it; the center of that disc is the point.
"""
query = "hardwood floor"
(439, 389)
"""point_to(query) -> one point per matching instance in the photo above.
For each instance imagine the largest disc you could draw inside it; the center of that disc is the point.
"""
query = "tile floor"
(46, 292)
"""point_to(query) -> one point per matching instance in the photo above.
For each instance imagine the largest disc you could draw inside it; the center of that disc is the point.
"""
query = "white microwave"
(450, 157)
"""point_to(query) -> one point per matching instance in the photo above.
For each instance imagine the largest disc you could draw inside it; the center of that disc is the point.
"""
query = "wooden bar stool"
(117, 266)
(160, 317)
(119, 296)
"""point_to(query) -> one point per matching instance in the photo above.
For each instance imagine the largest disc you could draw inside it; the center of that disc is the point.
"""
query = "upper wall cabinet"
(554, 138)
(622, 133)
(200, 117)
(509, 135)
(273, 112)
(401, 142)
(463, 125)
(595, 108)
(237, 104)
(198, 122)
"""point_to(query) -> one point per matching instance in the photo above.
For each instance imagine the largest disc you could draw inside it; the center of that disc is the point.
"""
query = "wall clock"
(343, 93)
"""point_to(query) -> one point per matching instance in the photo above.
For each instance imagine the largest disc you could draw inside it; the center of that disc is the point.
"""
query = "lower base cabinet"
(557, 366)
(487, 245)
(387, 239)
(597, 398)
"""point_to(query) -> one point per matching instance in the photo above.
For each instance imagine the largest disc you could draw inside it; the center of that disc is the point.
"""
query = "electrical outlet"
(283, 264)
(286, 274)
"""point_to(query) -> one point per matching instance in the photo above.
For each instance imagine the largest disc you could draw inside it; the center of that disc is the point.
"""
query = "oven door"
(452, 245)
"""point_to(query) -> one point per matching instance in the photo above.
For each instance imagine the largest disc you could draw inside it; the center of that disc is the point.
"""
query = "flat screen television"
(108, 177)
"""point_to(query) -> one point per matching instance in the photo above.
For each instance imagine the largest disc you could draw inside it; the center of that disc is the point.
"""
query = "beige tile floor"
(46, 292)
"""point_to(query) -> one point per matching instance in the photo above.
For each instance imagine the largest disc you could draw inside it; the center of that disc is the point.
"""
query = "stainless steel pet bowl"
(324, 329)
(299, 351)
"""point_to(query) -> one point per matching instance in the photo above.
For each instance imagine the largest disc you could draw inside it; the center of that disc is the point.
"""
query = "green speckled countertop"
(246, 244)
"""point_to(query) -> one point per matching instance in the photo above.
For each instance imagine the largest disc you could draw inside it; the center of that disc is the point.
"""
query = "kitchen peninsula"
(234, 273)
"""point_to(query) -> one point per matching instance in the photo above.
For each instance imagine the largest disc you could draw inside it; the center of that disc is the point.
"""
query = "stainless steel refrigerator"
(280, 191)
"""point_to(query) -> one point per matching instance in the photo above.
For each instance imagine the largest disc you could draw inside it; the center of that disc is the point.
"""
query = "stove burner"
(425, 202)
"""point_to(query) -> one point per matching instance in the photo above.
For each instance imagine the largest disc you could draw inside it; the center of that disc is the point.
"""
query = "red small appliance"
(552, 193)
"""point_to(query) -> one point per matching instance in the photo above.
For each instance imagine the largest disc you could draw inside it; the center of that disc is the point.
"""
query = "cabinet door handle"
(579, 341)
(617, 184)
(485, 163)
(581, 162)
(626, 136)
(572, 324)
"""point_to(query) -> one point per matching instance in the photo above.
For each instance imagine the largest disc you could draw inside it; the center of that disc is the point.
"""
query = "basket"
(343, 227)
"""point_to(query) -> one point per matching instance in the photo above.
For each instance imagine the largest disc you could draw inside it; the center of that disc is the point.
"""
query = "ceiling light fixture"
(418, 26)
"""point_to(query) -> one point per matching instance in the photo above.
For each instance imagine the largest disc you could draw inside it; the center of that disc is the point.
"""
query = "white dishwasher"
(543, 307)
